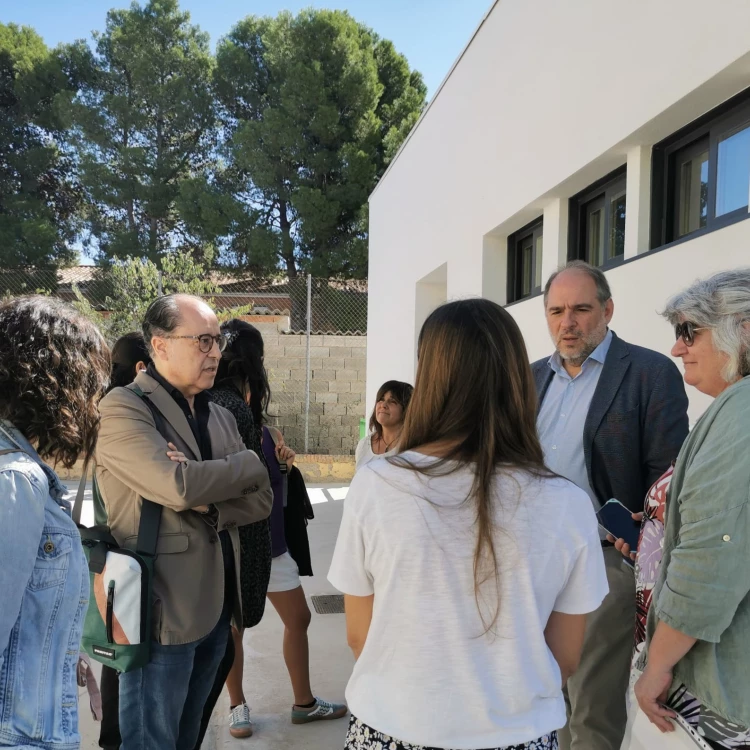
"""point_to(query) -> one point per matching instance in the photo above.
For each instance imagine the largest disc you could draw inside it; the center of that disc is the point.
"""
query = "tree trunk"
(287, 243)
(130, 208)
(153, 239)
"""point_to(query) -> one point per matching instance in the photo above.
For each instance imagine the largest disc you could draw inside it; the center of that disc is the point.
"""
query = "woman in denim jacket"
(696, 659)
(54, 366)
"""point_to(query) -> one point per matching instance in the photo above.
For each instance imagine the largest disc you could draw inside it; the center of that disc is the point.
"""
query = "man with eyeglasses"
(162, 439)
(612, 417)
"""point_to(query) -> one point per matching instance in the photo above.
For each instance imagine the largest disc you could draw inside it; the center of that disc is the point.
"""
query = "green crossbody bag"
(117, 629)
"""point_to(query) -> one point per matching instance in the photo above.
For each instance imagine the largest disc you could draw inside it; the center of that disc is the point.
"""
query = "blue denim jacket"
(44, 591)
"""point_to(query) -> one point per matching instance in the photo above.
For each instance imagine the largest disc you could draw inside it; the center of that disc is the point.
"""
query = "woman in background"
(386, 422)
(242, 388)
(129, 357)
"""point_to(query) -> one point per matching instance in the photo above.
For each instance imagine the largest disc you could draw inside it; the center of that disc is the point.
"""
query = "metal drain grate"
(329, 604)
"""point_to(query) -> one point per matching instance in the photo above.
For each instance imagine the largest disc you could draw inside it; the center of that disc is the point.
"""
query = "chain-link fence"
(314, 331)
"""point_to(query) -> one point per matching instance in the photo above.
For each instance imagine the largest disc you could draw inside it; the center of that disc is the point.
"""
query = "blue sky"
(431, 33)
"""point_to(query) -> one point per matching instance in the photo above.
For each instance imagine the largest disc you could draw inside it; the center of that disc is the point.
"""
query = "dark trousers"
(213, 697)
(109, 736)
(162, 703)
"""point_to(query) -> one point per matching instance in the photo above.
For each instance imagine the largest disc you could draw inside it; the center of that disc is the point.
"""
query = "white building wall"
(549, 97)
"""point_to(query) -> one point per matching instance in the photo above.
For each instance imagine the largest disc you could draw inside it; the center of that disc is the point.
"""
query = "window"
(597, 222)
(701, 175)
(525, 262)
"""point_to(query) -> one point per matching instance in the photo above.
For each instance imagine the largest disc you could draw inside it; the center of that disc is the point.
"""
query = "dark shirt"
(278, 539)
(199, 422)
(199, 427)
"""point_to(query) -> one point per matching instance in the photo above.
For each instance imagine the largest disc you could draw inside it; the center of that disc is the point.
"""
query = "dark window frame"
(716, 125)
(603, 190)
(534, 230)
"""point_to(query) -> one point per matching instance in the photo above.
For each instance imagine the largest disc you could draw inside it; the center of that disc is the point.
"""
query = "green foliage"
(133, 283)
(260, 159)
(39, 198)
(314, 107)
(144, 125)
(233, 312)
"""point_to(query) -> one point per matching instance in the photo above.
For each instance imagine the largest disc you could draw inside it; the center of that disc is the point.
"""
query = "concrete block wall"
(337, 388)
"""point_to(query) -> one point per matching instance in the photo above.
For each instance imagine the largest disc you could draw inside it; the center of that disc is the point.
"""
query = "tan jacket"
(132, 463)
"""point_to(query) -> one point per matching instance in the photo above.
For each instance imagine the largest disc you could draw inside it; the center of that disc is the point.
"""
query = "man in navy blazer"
(612, 417)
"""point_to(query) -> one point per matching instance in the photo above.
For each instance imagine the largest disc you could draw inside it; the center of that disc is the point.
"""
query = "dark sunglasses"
(686, 331)
(206, 341)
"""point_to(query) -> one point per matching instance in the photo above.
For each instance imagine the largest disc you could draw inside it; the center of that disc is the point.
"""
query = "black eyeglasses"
(686, 331)
(206, 341)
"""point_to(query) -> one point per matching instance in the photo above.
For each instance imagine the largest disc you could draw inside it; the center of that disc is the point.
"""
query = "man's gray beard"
(578, 360)
(589, 347)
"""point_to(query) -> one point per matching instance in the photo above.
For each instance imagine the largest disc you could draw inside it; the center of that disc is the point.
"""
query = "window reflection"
(733, 174)
(693, 193)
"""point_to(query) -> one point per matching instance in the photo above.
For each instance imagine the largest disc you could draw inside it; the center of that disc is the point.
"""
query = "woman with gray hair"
(693, 562)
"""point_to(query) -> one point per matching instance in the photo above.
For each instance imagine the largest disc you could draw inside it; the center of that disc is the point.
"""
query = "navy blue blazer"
(636, 423)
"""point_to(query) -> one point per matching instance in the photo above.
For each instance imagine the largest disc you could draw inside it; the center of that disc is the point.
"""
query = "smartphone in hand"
(617, 520)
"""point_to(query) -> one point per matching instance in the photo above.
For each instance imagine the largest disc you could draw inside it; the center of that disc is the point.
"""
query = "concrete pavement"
(267, 687)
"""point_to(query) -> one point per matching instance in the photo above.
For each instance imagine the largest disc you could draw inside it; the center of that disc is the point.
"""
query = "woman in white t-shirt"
(386, 422)
(467, 566)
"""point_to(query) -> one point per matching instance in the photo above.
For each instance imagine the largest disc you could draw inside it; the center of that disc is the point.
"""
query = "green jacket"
(704, 581)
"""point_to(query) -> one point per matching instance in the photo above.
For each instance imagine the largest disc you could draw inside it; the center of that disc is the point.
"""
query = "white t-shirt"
(428, 675)
(364, 453)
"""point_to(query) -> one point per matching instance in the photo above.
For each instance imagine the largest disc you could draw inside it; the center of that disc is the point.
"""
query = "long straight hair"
(475, 393)
(243, 360)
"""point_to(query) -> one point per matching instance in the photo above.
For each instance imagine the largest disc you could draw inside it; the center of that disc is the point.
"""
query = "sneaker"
(321, 711)
(240, 725)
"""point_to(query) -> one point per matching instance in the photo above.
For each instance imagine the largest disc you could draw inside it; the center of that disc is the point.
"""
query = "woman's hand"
(621, 545)
(284, 454)
(651, 691)
(175, 455)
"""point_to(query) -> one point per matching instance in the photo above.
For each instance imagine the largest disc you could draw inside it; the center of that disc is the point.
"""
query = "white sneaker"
(240, 725)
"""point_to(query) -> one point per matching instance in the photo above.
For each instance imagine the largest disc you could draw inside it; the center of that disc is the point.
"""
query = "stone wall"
(337, 387)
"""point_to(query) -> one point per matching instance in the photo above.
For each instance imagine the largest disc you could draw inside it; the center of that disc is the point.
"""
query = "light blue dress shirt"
(563, 415)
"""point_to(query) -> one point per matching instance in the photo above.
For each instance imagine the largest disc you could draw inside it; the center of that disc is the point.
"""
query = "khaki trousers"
(595, 695)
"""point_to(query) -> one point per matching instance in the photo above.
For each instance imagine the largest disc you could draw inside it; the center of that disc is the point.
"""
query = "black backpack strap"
(78, 504)
(148, 528)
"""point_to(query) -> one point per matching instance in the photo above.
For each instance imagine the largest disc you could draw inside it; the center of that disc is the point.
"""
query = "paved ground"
(266, 681)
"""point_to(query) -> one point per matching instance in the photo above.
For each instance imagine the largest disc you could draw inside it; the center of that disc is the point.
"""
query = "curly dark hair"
(54, 368)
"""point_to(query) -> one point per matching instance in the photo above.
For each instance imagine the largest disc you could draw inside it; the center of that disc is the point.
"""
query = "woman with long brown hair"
(467, 566)
(386, 422)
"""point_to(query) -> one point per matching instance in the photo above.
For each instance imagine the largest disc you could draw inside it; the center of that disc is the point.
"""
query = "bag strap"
(272, 431)
(148, 528)
(6, 451)
(78, 504)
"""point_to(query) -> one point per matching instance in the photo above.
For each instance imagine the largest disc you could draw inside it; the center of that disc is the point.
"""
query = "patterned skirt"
(362, 737)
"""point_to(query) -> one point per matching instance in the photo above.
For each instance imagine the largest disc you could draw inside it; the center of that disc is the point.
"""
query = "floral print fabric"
(715, 730)
(362, 737)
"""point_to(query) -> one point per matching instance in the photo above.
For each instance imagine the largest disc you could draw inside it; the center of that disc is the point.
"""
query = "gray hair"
(162, 317)
(603, 292)
(722, 304)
